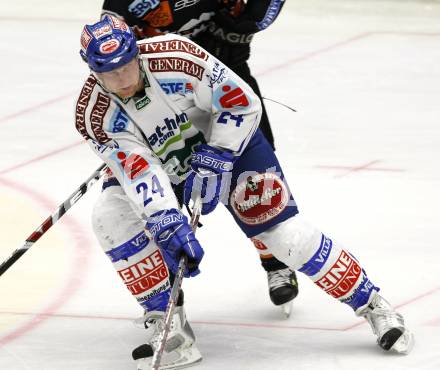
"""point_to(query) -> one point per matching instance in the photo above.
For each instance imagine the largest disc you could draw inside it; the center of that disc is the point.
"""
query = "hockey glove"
(209, 166)
(172, 233)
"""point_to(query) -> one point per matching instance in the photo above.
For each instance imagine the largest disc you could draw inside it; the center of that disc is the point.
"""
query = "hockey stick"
(174, 295)
(52, 219)
(275, 101)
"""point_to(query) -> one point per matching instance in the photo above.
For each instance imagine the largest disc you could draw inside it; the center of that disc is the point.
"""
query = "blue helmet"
(107, 44)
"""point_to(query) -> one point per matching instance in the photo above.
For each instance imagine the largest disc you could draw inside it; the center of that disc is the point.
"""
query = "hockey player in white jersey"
(164, 114)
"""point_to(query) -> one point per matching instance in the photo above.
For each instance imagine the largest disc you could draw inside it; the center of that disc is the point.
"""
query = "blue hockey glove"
(172, 233)
(208, 166)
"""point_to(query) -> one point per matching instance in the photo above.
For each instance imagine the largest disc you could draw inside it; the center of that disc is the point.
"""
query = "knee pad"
(292, 241)
(114, 220)
(137, 259)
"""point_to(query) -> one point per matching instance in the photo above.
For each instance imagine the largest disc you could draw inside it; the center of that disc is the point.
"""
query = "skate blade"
(286, 308)
(404, 344)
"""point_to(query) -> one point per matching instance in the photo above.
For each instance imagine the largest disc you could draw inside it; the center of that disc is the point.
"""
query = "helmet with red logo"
(107, 44)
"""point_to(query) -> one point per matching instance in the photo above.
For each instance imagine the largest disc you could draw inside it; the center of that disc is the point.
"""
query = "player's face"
(124, 81)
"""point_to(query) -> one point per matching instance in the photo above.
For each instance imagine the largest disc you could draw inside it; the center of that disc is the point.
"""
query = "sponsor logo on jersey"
(230, 95)
(217, 75)
(341, 277)
(119, 121)
(166, 130)
(102, 31)
(175, 86)
(178, 164)
(109, 46)
(260, 198)
(141, 7)
(173, 45)
(85, 39)
(181, 4)
(81, 106)
(97, 117)
(142, 102)
(145, 274)
(133, 165)
(176, 65)
(231, 37)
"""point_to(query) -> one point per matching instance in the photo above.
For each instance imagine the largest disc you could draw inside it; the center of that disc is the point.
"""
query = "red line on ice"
(340, 44)
(400, 305)
(314, 53)
(43, 19)
(232, 324)
(435, 322)
(35, 107)
(214, 323)
(364, 167)
(41, 157)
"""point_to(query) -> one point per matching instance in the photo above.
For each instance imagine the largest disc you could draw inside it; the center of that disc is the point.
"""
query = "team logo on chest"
(168, 129)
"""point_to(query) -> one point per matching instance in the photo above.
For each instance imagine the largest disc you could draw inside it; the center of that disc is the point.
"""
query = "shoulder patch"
(176, 65)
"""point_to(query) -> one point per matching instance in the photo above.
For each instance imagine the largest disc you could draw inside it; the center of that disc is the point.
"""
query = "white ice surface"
(361, 155)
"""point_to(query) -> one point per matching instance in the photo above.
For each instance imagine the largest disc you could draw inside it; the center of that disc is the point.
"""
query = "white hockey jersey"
(190, 98)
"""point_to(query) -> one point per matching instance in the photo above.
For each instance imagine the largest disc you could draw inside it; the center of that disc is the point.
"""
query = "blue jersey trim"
(271, 14)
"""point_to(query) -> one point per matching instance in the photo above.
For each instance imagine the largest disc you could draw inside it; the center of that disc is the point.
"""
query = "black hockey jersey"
(187, 17)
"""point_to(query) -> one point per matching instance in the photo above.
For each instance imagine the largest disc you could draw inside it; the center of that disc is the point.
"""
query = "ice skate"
(180, 349)
(387, 324)
(283, 288)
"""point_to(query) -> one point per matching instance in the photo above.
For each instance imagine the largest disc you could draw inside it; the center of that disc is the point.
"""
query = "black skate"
(283, 288)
